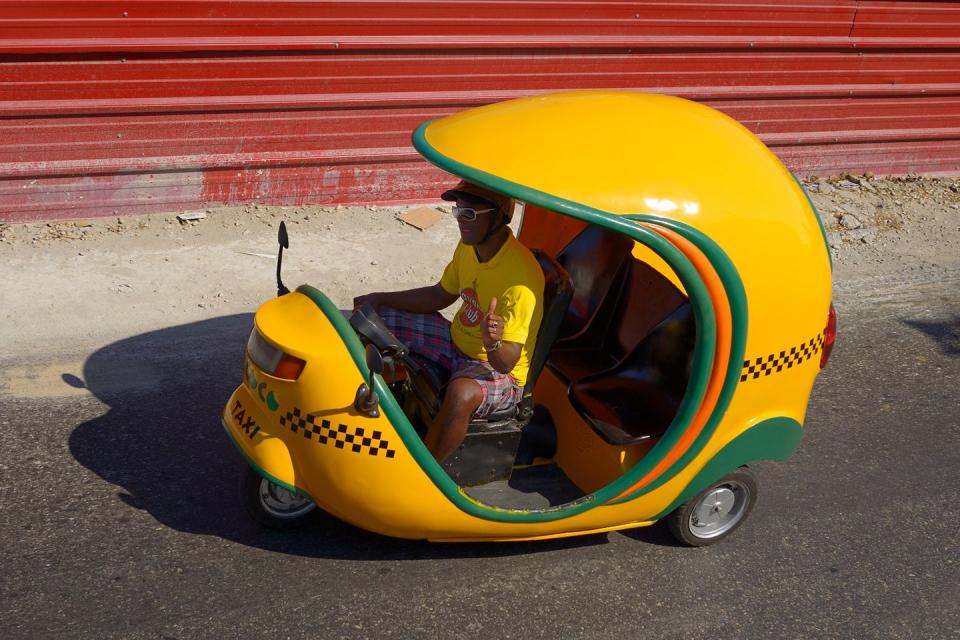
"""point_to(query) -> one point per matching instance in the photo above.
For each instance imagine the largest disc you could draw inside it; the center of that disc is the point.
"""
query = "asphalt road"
(120, 516)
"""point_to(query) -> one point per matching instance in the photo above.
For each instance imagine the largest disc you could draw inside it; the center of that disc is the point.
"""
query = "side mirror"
(284, 241)
(367, 401)
(374, 362)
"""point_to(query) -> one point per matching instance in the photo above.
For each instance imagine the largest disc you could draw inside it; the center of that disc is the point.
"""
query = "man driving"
(487, 347)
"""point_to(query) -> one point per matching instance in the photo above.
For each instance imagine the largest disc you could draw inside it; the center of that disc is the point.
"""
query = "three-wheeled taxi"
(687, 313)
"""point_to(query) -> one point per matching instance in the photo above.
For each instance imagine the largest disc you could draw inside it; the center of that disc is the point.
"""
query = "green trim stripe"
(737, 298)
(773, 439)
(702, 364)
(703, 308)
(702, 359)
(816, 215)
(703, 351)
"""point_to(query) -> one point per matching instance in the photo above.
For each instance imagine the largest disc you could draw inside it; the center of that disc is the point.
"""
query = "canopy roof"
(617, 152)
(596, 155)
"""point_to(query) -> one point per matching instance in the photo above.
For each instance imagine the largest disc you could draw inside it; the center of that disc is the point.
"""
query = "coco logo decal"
(247, 425)
(266, 396)
(470, 312)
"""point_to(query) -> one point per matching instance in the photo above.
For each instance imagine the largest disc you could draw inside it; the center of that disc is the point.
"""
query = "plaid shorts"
(428, 335)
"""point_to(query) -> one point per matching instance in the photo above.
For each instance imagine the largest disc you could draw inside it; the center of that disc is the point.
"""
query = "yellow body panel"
(635, 153)
(632, 153)
(389, 495)
(587, 459)
(613, 152)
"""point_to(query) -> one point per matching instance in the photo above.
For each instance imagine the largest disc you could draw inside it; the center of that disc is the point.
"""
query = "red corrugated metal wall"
(124, 107)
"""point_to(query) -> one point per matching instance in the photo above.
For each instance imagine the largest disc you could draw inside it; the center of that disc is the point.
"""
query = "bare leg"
(448, 429)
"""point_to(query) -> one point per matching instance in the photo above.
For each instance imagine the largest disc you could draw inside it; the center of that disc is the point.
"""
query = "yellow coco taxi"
(687, 313)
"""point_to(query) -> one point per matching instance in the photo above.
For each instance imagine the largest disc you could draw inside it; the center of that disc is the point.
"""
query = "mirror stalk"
(367, 401)
(284, 240)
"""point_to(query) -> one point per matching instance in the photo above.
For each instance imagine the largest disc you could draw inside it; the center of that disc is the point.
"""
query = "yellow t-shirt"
(515, 279)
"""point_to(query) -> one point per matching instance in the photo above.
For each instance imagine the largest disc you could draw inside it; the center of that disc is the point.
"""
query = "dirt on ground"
(69, 284)
(902, 223)
(99, 280)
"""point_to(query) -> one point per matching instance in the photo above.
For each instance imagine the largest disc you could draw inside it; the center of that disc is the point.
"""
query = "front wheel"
(271, 505)
(717, 511)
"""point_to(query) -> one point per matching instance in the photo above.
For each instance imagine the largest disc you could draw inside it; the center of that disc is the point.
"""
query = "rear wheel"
(272, 505)
(717, 511)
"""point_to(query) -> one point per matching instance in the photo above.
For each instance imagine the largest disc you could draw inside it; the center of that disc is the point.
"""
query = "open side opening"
(614, 377)
(627, 359)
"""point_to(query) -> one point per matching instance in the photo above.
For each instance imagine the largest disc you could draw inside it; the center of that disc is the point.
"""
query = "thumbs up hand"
(492, 325)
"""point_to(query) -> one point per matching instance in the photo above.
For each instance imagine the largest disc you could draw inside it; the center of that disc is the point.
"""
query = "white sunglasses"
(469, 214)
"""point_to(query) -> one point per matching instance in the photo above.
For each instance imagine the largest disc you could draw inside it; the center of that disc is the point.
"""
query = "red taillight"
(829, 336)
(289, 367)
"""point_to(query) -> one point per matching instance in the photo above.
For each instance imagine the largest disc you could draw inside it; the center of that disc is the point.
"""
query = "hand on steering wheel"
(373, 299)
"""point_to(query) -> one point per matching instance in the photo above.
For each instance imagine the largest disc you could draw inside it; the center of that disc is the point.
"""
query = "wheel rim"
(720, 510)
(282, 503)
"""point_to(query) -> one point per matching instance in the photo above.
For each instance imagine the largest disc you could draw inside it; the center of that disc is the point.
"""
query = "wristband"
(494, 347)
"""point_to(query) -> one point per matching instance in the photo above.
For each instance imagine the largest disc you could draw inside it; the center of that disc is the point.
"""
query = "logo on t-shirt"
(470, 313)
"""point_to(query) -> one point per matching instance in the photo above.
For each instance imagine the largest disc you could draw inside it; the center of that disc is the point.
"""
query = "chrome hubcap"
(719, 510)
(282, 503)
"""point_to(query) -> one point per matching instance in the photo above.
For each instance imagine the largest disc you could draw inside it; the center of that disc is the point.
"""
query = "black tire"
(257, 493)
(739, 486)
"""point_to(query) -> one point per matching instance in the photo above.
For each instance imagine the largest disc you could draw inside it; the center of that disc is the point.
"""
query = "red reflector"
(829, 336)
(289, 368)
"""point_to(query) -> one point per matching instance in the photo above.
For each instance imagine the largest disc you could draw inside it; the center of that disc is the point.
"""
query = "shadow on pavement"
(162, 444)
(656, 534)
(945, 334)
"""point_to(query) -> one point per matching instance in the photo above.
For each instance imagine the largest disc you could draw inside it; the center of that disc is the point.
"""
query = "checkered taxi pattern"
(777, 362)
(342, 437)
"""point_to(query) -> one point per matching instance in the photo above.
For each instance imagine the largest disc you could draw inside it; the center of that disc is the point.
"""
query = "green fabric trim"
(683, 268)
(260, 470)
(677, 261)
(435, 472)
(816, 214)
(388, 403)
(737, 297)
(701, 366)
(773, 439)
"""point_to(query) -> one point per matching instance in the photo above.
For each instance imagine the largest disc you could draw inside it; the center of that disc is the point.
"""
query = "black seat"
(639, 299)
(593, 259)
(557, 292)
(638, 398)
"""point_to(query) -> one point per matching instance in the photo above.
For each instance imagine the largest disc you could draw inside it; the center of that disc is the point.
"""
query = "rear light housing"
(829, 336)
(272, 360)
(289, 367)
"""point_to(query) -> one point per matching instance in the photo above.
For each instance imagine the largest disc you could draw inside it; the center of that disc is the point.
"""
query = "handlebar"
(368, 323)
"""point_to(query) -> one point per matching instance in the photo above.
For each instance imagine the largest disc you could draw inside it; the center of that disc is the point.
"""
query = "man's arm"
(422, 300)
(503, 358)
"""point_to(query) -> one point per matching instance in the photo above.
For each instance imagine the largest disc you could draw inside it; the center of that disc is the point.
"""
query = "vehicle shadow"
(946, 334)
(655, 534)
(162, 444)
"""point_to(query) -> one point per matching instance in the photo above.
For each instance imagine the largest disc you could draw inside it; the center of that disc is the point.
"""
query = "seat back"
(638, 398)
(557, 292)
(645, 300)
(593, 259)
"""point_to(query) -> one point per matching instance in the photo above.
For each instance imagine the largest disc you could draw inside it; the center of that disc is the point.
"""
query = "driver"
(488, 345)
